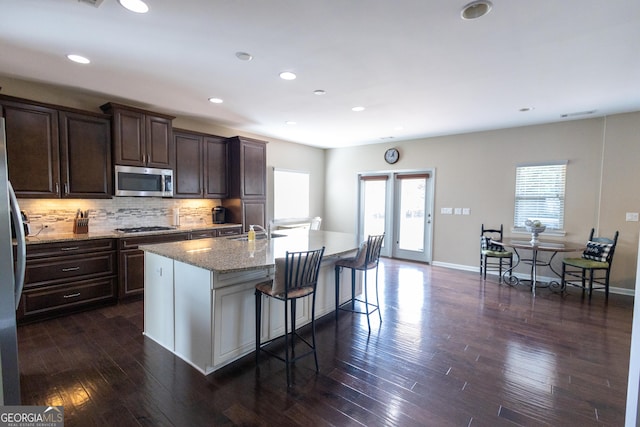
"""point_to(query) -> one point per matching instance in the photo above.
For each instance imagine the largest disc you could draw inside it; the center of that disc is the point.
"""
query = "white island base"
(208, 318)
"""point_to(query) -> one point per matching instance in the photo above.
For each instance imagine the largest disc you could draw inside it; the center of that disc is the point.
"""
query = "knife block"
(80, 225)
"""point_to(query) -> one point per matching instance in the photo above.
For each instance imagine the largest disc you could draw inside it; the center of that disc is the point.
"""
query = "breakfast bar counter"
(199, 298)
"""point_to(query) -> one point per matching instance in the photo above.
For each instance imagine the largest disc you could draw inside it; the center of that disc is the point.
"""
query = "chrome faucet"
(266, 232)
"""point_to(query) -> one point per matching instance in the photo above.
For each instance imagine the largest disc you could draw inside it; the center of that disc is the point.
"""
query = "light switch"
(458, 211)
(466, 211)
(446, 211)
(632, 216)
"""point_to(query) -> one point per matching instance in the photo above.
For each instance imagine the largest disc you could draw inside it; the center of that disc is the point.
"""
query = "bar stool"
(365, 259)
(296, 277)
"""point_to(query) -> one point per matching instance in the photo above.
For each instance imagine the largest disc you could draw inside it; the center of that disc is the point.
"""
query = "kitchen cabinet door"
(188, 167)
(140, 138)
(33, 153)
(159, 143)
(85, 155)
(215, 168)
(247, 168)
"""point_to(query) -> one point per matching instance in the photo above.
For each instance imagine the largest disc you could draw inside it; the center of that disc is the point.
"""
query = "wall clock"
(392, 155)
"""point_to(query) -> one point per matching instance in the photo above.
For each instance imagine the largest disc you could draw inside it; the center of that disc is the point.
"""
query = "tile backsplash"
(107, 214)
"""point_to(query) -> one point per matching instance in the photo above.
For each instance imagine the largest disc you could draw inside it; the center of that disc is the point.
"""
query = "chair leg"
(377, 296)
(293, 329)
(313, 330)
(500, 272)
(337, 283)
(590, 283)
(286, 343)
(484, 272)
(366, 300)
(353, 289)
(258, 322)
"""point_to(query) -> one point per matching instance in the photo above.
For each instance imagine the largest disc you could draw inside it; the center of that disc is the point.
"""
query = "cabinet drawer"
(64, 268)
(134, 242)
(203, 234)
(69, 248)
(229, 231)
(67, 296)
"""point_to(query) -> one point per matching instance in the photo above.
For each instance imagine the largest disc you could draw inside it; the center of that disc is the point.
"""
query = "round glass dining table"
(535, 261)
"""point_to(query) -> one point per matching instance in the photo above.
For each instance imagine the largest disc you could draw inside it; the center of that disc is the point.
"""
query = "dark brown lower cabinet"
(219, 232)
(64, 277)
(131, 262)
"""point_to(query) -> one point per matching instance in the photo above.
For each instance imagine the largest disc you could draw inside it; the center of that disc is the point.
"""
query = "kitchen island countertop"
(231, 254)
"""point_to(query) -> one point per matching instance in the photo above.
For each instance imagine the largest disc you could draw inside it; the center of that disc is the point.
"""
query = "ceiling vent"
(95, 3)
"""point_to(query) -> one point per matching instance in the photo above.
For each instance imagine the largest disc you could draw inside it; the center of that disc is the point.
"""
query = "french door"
(401, 205)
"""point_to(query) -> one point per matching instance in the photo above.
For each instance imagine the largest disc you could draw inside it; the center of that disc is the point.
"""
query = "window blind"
(540, 191)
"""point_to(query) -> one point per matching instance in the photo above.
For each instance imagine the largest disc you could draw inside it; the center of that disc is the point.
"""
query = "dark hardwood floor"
(451, 351)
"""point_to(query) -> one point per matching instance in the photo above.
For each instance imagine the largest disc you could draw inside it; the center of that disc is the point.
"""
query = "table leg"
(512, 280)
(534, 271)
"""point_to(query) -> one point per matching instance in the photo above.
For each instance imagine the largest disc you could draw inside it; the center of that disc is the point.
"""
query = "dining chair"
(296, 277)
(365, 259)
(492, 256)
(594, 266)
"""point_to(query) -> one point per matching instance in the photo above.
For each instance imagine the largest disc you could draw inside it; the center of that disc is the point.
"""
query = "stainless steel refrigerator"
(11, 281)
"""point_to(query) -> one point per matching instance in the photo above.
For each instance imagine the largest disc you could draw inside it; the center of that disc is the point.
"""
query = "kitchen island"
(199, 298)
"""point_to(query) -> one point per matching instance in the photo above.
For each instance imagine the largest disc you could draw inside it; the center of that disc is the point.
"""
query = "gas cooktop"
(143, 229)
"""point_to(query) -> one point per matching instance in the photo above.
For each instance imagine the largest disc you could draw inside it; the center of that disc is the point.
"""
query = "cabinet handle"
(73, 248)
(57, 188)
(71, 269)
(77, 294)
(66, 188)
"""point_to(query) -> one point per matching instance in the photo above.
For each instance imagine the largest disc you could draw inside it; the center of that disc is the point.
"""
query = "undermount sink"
(258, 237)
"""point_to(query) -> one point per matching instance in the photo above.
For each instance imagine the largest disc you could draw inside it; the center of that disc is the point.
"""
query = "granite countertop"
(112, 234)
(228, 254)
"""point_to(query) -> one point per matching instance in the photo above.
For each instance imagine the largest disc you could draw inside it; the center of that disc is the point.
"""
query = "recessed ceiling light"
(215, 100)
(78, 59)
(357, 109)
(244, 56)
(137, 6)
(525, 109)
(319, 92)
(290, 123)
(476, 9)
(287, 75)
(399, 128)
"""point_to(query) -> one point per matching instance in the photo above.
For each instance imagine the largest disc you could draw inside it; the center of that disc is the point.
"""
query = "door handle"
(70, 269)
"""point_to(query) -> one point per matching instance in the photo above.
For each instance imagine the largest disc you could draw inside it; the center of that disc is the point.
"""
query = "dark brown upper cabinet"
(85, 160)
(200, 165)
(54, 152)
(216, 159)
(247, 172)
(141, 138)
(247, 168)
(188, 182)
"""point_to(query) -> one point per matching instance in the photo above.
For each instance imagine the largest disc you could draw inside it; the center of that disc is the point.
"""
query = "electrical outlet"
(632, 216)
(446, 211)
(466, 211)
(457, 211)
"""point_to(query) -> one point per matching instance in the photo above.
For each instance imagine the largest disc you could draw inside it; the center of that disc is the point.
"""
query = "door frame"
(391, 200)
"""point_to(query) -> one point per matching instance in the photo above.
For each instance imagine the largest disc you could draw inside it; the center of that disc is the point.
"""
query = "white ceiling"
(413, 64)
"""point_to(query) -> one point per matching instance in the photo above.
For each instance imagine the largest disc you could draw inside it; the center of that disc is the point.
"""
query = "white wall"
(477, 171)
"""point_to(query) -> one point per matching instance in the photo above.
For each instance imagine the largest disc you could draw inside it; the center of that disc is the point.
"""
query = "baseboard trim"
(476, 269)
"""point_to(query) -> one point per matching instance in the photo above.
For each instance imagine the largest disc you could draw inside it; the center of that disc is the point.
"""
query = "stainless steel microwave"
(143, 182)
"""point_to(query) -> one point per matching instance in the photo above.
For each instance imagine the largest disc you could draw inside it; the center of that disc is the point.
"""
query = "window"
(290, 194)
(540, 194)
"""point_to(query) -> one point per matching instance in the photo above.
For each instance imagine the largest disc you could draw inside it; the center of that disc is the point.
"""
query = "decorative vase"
(535, 232)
